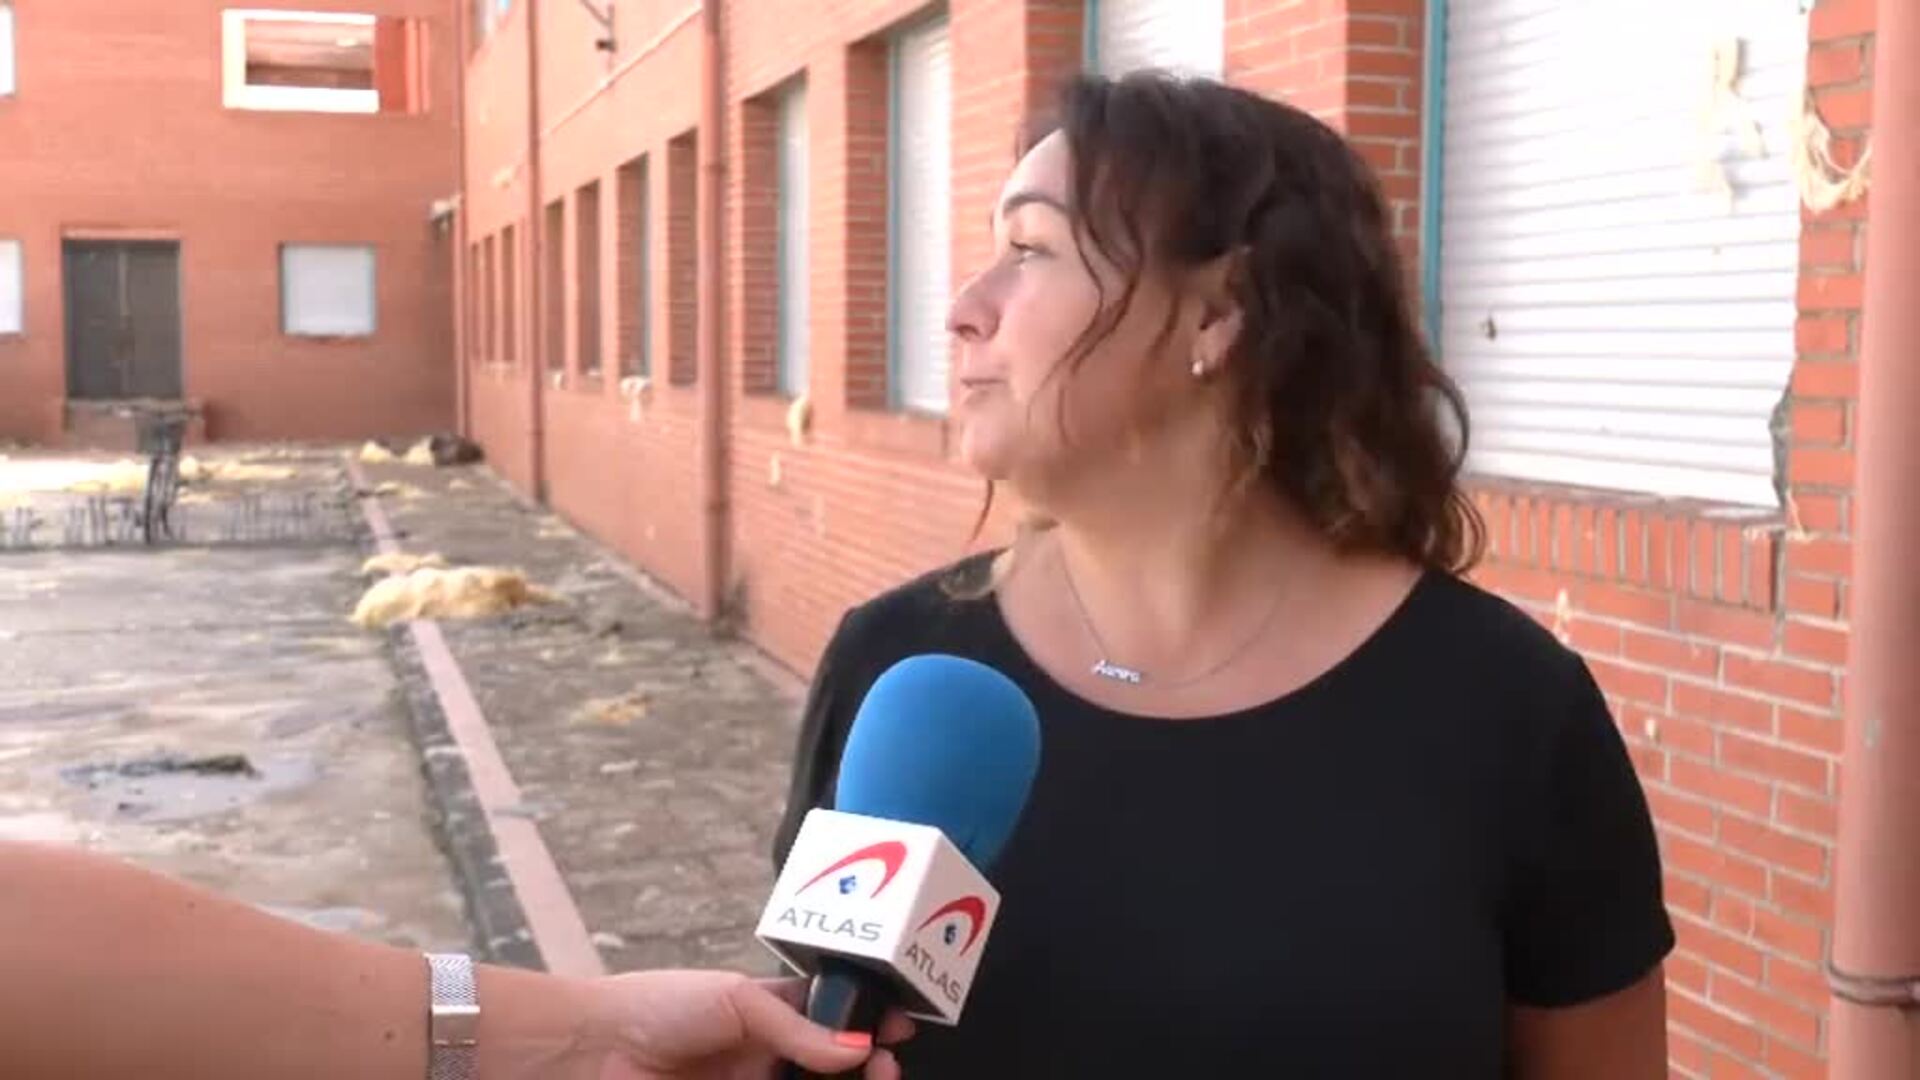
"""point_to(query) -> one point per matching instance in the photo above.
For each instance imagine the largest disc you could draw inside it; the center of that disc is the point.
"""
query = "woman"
(1310, 805)
(112, 971)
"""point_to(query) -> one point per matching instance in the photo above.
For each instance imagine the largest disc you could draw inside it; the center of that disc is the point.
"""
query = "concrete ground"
(652, 756)
(208, 713)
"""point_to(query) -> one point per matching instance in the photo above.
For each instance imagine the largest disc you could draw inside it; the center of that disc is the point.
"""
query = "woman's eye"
(1024, 252)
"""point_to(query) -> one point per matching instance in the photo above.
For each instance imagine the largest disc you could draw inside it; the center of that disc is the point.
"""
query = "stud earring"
(1199, 369)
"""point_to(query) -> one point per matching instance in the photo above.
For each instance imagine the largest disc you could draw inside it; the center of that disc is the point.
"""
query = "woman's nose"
(973, 314)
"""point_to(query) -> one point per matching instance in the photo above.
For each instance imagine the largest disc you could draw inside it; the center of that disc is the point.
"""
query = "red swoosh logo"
(973, 907)
(891, 854)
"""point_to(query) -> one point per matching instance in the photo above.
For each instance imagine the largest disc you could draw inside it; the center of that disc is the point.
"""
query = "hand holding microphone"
(883, 899)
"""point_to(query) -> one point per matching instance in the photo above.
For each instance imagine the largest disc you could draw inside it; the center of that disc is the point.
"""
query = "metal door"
(123, 319)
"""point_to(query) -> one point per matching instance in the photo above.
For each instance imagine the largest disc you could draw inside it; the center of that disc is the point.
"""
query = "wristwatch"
(453, 1017)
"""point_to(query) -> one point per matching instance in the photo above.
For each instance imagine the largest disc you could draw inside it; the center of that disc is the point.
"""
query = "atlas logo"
(968, 911)
(890, 854)
(971, 910)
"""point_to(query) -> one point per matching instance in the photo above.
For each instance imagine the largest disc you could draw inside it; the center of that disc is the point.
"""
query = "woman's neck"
(1174, 582)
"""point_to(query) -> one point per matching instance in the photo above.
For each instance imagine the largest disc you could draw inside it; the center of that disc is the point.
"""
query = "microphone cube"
(897, 899)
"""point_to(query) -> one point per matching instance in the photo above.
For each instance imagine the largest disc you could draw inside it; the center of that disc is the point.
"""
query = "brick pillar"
(754, 265)
(1355, 64)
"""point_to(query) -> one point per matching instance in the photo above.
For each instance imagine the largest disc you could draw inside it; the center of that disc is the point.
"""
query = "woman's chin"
(989, 456)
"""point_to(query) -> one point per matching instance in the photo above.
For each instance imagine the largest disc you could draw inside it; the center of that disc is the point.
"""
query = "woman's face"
(1024, 415)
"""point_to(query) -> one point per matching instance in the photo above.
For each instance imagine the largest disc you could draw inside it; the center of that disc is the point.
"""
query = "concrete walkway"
(651, 758)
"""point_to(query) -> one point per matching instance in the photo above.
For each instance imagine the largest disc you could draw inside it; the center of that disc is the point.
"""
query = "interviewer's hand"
(711, 1025)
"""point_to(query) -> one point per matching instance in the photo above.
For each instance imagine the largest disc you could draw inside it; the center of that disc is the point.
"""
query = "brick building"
(232, 206)
(1656, 332)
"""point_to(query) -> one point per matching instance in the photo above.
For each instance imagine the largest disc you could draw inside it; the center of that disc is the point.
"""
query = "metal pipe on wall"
(710, 242)
(1875, 968)
(462, 227)
(537, 241)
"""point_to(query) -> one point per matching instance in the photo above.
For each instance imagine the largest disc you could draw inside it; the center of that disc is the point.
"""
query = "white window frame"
(13, 287)
(9, 72)
(237, 93)
(791, 194)
(360, 324)
(918, 348)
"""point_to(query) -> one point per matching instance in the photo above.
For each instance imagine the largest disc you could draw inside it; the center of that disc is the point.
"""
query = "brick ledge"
(1714, 552)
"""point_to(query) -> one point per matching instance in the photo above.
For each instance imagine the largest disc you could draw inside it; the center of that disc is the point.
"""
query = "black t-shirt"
(1351, 881)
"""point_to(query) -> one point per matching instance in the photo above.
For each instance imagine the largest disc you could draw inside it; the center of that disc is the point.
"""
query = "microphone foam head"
(946, 742)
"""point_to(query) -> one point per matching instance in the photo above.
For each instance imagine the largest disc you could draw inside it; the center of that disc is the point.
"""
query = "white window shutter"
(12, 288)
(327, 290)
(795, 282)
(1186, 37)
(1617, 281)
(7, 78)
(922, 215)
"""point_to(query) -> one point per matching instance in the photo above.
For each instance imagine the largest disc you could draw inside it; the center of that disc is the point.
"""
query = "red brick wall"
(1358, 65)
(1718, 635)
(622, 467)
(868, 497)
(231, 187)
(1720, 640)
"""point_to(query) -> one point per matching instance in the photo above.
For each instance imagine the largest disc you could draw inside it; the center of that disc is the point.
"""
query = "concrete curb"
(500, 929)
(516, 897)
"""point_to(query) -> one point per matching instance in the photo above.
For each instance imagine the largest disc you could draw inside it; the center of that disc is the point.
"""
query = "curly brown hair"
(1337, 401)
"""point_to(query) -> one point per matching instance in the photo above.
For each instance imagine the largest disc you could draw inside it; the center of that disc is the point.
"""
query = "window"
(476, 344)
(489, 300)
(587, 259)
(509, 295)
(314, 61)
(1618, 273)
(1187, 37)
(790, 356)
(555, 267)
(326, 290)
(7, 85)
(12, 288)
(635, 270)
(486, 15)
(919, 176)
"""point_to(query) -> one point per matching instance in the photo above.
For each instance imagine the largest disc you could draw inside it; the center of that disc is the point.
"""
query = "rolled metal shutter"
(922, 213)
(1187, 37)
(795, 283)
(1619, 243)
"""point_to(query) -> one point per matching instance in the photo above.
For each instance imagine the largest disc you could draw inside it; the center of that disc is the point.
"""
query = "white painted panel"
(1186, 37)
(327, 290)
(795, 282)
(1618, 261)
(7, 77)
(12, 288)
(922, 219)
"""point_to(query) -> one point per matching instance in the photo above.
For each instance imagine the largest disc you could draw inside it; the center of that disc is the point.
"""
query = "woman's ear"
(1221, 317)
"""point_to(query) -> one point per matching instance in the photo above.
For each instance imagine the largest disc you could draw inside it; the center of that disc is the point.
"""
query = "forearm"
(110, 971)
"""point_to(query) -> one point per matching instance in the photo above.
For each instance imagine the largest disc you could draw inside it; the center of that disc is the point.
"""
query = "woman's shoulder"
(1477, 630)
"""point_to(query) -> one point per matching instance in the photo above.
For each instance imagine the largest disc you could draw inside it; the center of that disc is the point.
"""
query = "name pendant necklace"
(1105, 668)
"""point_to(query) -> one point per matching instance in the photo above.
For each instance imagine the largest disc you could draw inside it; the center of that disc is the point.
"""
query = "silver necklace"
(1105, 668)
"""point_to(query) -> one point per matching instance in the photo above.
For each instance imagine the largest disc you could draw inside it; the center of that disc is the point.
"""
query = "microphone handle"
(844, 997)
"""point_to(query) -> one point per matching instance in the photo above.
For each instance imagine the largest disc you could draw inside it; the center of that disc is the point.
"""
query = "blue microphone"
(946, 742)
(940, 741)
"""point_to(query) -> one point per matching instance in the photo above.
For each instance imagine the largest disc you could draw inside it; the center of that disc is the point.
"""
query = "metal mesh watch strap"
(453, 1017)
